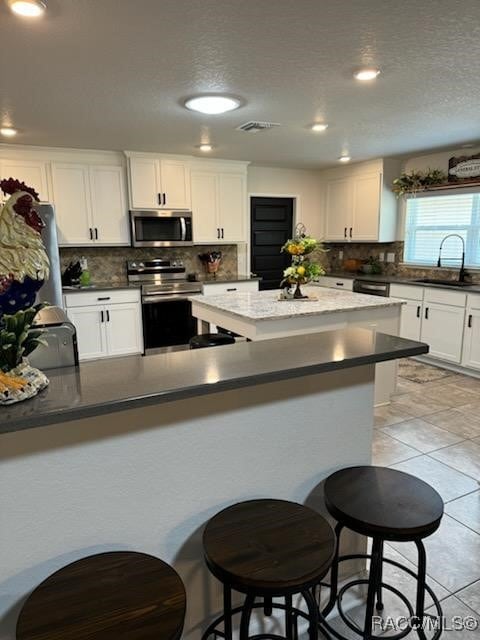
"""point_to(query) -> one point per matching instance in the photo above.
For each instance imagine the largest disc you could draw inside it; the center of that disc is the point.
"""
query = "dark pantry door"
(271, 227)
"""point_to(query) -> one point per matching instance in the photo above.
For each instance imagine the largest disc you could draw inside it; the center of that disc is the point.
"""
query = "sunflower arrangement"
(303, 269)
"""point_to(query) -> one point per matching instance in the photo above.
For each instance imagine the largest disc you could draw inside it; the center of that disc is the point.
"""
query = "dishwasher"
(372, 287)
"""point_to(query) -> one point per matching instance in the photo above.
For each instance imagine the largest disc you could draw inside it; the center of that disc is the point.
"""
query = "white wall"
(305, 185)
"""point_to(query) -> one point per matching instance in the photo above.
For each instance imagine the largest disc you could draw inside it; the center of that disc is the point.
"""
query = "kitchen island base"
(148, 479)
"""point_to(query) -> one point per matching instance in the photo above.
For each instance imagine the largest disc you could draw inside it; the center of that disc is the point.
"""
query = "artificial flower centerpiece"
(303, 269)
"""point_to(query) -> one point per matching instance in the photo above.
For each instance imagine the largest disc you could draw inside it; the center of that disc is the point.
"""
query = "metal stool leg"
(420, 604)
(267, 606)
(312, 614)
(288, 618)
(245, 618)
(375, 568)
(379, 605)
(227, 610)
(333, 574)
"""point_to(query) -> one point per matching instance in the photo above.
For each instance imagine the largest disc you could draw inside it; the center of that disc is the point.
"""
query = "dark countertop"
(473, 288)
(107, 386)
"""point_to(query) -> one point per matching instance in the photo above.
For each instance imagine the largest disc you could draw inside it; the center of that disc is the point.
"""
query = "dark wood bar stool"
(210, 340)
(121, 595)
(268, 549)
(383, 504)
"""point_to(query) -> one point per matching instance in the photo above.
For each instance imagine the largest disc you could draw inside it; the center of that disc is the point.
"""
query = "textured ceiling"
(111, 74)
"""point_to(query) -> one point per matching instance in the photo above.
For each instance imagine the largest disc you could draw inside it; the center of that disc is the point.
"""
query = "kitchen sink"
(449, 283)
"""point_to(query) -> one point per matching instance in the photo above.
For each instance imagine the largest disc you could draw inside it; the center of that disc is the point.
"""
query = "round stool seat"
(210, 340)
(377, 501)
(268, 546)
(119, 595)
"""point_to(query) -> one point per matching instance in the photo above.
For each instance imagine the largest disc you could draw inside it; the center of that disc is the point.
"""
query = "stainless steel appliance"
(372, 287)
(161, 228)
(61, 338)
(51, 291)
(167, 313)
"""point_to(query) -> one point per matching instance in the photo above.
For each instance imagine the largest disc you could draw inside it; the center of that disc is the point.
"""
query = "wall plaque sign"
(464, 169)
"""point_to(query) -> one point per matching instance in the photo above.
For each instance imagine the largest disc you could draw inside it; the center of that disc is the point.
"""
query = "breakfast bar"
(139, 452)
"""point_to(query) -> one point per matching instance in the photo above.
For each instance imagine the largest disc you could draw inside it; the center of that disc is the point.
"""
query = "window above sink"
(430, 218)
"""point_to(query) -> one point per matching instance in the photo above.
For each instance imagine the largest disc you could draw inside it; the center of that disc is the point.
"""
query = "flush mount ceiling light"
(212, 104)
(27, 8)
(367, 73)
(8, 132)
(344, 159)
(205, 147)
(319, 126)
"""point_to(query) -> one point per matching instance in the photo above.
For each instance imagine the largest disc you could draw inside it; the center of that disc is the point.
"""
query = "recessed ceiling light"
(8, 132)
(367, 73)
(205, 147)
(212, 105)
(319, 126)
(344, 159)
(27, 8)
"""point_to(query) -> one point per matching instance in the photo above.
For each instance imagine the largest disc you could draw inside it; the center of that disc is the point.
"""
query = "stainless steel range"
(167, 313)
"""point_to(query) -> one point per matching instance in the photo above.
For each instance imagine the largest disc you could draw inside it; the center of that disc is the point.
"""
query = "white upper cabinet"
(32, 172)
(219, 210)
(359, 203)
(73, 205)
(339, 207)
(159, 183)
(90, 204)
(109, 205)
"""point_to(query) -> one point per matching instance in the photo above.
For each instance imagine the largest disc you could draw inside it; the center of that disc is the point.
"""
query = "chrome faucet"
(461, 275)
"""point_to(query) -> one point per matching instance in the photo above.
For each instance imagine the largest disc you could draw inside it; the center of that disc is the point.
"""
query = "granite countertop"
(265, 305)
(102, 286)
(106, 386)
(473, 288)
(209, 279)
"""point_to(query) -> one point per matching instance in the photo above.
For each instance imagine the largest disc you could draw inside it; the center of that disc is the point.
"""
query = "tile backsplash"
(108, 264)
(332, 261)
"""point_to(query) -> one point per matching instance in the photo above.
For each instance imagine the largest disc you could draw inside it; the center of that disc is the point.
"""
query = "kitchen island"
(261, 316)
(139, 452)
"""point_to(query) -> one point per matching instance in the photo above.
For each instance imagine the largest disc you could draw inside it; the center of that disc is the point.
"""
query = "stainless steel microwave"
(161, 228)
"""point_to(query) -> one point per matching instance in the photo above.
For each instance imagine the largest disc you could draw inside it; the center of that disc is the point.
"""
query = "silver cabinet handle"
(183, 226)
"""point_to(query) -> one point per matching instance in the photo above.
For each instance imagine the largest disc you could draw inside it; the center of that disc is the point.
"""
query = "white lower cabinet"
(471, 342)
(442, 330)
(411, 320)
(108, 323)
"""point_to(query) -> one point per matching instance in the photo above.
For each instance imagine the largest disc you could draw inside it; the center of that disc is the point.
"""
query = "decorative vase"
(34, 381)
(298, 292)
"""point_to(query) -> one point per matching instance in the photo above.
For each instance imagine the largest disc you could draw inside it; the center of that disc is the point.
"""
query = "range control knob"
(141, 265)
(133, 265)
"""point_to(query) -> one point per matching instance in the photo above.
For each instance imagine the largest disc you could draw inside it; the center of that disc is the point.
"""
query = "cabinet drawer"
(213, 289)
(406, 291)
(444, 296)
(99, 297)
(336, 283)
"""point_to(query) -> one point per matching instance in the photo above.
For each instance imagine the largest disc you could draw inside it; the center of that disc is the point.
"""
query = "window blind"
(430, 218)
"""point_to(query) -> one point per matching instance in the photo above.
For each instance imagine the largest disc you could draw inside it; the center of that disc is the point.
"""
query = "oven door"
(161, 228)
(167, 321)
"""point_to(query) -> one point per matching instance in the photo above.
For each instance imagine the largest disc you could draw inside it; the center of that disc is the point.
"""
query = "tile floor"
(432, 430)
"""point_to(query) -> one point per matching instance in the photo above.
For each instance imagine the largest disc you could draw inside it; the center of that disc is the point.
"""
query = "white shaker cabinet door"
(232, 196)
(123, 324)
(471, 346)
(175, 181)
(32, 172)
(73, 206)
(366, 207)
(89, 322)
(411, 320)
(338, 210)
(109, 205)
(145, 189)
(206, 227)
(442, 330)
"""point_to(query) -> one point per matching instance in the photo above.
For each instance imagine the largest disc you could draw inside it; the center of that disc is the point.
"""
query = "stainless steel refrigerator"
(52, 289)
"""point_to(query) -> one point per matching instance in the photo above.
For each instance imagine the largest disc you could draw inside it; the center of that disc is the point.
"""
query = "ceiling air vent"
(253, 126)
